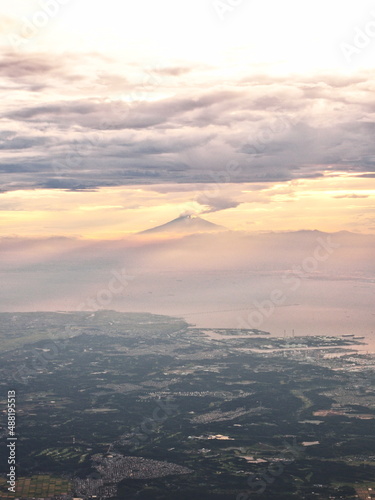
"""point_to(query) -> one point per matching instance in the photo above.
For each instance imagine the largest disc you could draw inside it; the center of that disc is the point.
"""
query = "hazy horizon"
(312, 282)
(117, 120)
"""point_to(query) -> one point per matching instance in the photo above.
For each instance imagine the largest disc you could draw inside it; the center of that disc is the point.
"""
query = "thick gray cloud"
(21, 142)
(38, 72)
(216, 203)
(273, 129)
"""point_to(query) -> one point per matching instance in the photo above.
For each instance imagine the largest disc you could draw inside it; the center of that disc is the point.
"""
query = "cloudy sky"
(119, 116)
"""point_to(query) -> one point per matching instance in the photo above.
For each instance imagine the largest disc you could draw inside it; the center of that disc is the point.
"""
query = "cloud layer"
(66, 125)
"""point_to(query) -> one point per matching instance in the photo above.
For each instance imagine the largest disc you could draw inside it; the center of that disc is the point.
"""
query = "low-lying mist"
(308, 281)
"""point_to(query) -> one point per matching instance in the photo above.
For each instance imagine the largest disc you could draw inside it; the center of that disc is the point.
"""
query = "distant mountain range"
(186, 224)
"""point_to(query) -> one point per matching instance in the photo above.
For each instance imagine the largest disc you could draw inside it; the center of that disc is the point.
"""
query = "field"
(36, 487)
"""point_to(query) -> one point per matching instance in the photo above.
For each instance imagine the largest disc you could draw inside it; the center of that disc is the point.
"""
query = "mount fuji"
(186, 224)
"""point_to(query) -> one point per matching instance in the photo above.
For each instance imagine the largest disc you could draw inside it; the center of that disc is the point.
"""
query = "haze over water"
(269, 281)
(117, 120)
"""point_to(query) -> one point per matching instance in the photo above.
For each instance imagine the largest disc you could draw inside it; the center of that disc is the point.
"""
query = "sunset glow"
(121, 117)
(257, 114)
